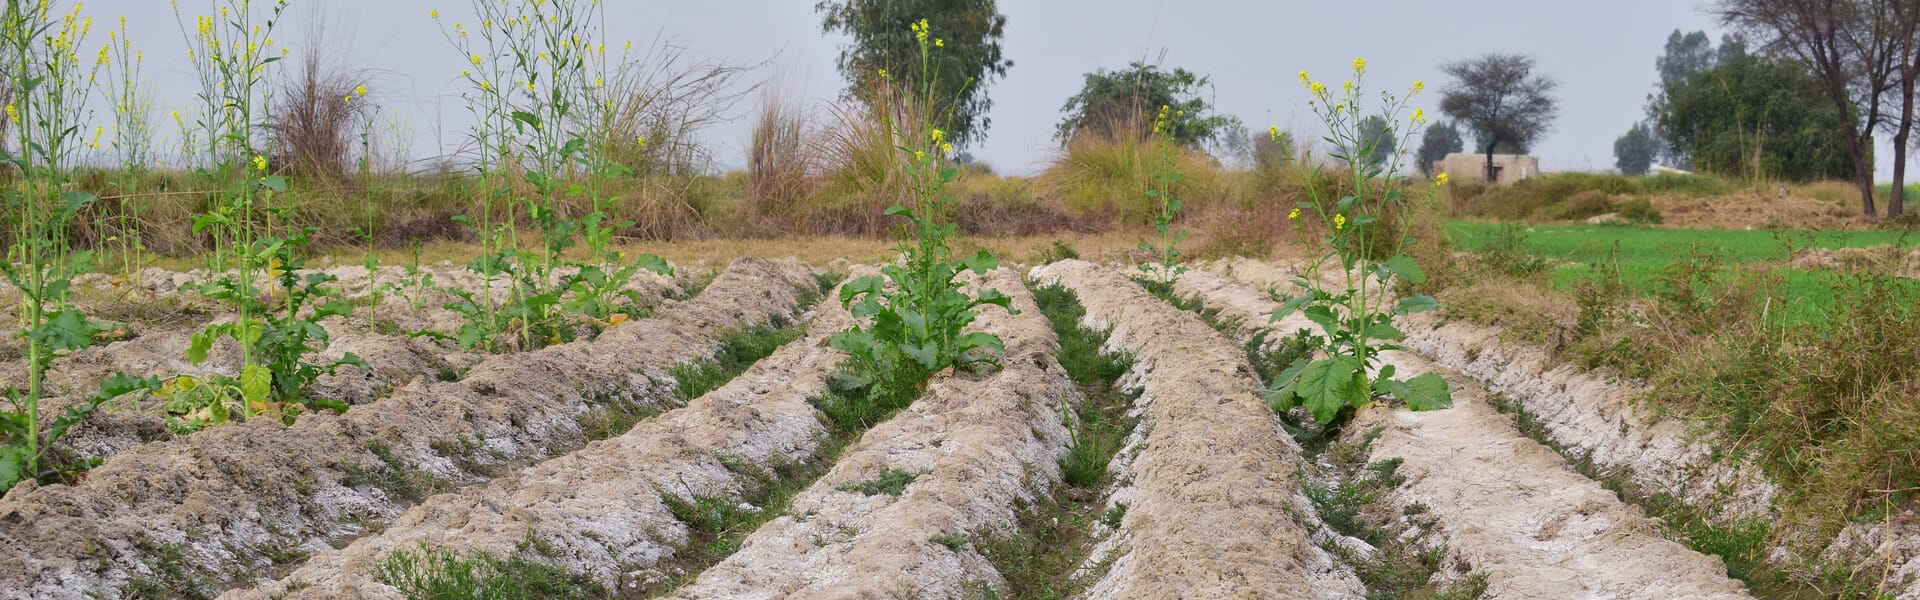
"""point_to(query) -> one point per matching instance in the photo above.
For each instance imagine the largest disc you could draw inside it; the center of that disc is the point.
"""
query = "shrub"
(1639, 210)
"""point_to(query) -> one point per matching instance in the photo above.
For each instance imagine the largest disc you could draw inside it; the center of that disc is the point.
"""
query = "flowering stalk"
(1165, 176)
(1361, 226)
(49, 86)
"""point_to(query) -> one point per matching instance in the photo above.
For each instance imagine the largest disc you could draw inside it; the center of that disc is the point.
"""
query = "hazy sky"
(1602, 53)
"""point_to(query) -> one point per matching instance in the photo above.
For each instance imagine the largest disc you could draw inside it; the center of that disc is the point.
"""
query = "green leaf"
(981, 262)
(1429, 391)
(655, 264)
(256, 384)
(530, 119)
(1416, 303)
(200, 343)
(67, 330)
(1291, 306)
(13, 466)
(1406, 268)
(1325, 385)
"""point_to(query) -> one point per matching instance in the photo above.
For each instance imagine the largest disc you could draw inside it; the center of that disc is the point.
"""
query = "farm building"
(1507, 168)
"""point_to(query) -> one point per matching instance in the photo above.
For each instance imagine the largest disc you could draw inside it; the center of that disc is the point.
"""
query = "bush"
(1640, 211)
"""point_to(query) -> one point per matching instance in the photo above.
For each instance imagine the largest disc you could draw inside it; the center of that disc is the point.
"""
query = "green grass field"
(1643, 252)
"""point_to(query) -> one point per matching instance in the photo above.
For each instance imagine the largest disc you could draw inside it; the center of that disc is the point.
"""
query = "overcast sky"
(1602, 52)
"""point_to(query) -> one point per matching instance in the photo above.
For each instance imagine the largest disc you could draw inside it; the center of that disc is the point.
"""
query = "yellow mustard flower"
(1319, 89)
(919, 155)
(1419, 116)
(476, 60)
(13, 114)
(939, 42)
(1305, 79)
(1293, 215)
(1339, 222)
(1419, 86)
(1359, 65)
(1441, 180)
(359, 90)
(946, 148)
(937, 135)
(1273, 133)
(259, 162)
(433, 14)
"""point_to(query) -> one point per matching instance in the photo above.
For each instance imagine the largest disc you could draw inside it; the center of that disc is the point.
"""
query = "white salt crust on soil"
(1596, 417)
(1214, 509)
(228, 498)
(979, 443)
(1507, 507)
(599, 511)
(159, 349)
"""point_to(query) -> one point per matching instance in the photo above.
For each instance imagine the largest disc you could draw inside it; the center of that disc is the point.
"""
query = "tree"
(1904, 23)
(1442, 138)
(1762, 118)
(1685, 55)
(1633, 152)
(1378, 139)
(1848, 46)
(1498, 95)
(1112, 101)
(968, 32)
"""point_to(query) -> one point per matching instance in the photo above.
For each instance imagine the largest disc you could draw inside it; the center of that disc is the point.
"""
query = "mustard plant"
(538, 106)
(918, 310)
(50, 83)
(277, 308)
(132, 98)
(1166, 175)
(1356, 317)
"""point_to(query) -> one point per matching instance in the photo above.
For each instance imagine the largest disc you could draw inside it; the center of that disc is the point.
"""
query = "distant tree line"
(1798, 92)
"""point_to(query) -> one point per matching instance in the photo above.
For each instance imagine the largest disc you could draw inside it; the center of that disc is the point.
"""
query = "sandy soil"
(230, 496)
(1507, 506)
(1214, 508)
(979, 443)
(598, 511)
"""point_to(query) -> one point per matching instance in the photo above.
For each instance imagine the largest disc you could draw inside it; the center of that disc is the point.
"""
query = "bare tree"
(1851, 49)
(1499, 96)
(1904, 26)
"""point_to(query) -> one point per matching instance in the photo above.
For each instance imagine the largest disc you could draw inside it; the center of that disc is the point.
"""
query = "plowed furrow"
(601, 513)
(1508, 507)
(1214, 509)
(231, 501)
(973, 445)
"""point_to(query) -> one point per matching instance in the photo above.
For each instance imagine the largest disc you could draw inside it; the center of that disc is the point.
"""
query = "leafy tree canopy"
(1633, 152)
(1441, 138)
(1758, 118)
(969, 34)
(1113, 102)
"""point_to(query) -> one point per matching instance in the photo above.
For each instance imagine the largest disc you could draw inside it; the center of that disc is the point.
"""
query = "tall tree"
(1633, 152)
(1904, 25)
(1500, 96)
(1758, 118)
(1850, 49)
(1441, 138)
(1113, 100)
(968, 31)
(1685, 55)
